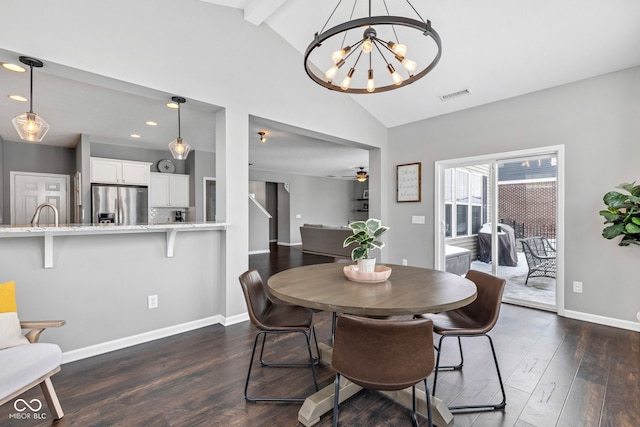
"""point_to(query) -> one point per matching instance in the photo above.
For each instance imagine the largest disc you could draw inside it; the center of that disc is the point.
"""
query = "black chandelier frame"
(371, 21)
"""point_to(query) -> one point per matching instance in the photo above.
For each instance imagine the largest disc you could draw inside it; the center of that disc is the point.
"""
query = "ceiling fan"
(361, 175)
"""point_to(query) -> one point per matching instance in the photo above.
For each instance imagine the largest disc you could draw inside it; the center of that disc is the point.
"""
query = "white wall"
(597, 121)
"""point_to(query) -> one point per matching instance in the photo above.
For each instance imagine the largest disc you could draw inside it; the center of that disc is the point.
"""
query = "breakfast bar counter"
(49, 232)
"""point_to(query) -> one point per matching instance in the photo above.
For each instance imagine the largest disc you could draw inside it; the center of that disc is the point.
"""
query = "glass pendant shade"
(179, 148)
(30, 127)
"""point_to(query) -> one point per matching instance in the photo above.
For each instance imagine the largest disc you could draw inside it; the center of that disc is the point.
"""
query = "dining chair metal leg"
(336, 399)
(489, 406)
(311, 364)
(452, 367)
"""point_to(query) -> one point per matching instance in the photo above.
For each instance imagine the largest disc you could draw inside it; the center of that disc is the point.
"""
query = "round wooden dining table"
(408, 291)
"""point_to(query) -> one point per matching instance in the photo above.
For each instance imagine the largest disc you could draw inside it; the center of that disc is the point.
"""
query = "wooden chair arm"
(38, 326)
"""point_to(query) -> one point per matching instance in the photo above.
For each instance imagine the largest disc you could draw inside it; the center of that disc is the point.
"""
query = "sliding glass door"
(503, 207)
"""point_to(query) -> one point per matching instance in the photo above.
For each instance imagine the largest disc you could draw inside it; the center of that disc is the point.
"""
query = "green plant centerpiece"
(623, 213)
(366, 236)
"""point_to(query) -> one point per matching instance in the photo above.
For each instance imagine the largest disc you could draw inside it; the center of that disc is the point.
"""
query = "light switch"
(298, 216)
(417, 219)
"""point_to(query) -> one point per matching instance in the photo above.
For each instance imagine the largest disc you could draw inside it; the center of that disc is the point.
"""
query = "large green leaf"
(611, 216)
(613, 199)
(636, 220)
(631, 228)
(373, 224)
(613, 231)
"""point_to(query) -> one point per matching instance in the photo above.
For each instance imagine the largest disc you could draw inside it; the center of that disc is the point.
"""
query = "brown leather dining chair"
(272, 316)
(383, 355)
(473, 320)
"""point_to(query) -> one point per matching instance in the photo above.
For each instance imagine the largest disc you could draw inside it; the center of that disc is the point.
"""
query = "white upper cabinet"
(111, 171)
(169, 190)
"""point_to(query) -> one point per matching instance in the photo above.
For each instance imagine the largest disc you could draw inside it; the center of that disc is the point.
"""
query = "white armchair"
(25, 366)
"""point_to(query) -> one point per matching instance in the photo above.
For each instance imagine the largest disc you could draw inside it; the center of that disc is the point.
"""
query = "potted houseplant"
(365, 235)
(623, 213)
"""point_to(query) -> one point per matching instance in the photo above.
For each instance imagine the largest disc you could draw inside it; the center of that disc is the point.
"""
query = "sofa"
(326, 240)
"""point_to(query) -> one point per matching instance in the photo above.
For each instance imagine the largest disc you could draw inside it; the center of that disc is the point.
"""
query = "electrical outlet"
(577, 287)
(638, 316)
(404, 261)
(152, 301)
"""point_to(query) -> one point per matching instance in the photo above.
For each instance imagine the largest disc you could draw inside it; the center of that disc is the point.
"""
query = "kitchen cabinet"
(112, 171)
(169, 190)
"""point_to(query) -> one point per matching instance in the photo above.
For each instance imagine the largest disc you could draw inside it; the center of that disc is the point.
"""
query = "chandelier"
(362, 54)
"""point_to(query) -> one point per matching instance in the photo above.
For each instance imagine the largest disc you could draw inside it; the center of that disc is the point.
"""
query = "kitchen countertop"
(49, 232)
(7, 230)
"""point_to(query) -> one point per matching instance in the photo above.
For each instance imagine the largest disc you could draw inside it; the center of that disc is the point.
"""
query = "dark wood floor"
(558, 372)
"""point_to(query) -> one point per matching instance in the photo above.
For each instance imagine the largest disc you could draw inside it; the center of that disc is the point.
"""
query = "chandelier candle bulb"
(371, 86)
(340, 54)
(347, 80)
(331, 72)
(395, 76)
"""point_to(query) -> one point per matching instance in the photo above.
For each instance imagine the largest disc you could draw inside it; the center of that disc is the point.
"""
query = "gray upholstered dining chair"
(272, 316)
(383, 355)
(473, 320)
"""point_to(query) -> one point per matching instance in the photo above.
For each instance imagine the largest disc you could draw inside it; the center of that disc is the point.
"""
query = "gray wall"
(100, 283)
(28, 157)
(318, 201)
(199, 164)
(111, 151)
(597, 121)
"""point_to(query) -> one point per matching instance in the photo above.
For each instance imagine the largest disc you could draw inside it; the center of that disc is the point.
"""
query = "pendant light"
(29, 125)
(179, 147)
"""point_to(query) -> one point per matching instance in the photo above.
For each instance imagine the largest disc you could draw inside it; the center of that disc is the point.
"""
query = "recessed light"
(151, 123)
(134, 135)
(172, 104)
(18, 98)
(14, 67)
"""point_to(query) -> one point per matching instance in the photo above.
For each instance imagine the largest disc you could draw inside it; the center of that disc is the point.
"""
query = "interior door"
(29, 190)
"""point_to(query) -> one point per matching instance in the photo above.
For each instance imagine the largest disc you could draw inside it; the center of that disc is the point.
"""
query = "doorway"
(209, 199)
(30, 189)
(498, 207)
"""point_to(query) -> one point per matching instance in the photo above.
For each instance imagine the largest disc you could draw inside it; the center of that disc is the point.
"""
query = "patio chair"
(541, 257)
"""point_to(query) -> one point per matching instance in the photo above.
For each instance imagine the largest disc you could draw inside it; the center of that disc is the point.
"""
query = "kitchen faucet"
(36, 216)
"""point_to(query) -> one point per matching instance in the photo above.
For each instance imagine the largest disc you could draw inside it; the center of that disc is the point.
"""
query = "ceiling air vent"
(454, 95)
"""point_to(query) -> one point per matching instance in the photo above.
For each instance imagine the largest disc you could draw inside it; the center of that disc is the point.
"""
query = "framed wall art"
(409, 182)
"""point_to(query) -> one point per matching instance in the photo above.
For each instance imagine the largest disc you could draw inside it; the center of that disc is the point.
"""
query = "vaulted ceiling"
(494, 49)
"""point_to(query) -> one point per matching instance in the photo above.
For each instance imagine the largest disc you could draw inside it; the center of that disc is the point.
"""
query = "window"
(465, 204)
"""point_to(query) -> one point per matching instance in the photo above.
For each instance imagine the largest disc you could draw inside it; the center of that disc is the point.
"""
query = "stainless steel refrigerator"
(118, 204)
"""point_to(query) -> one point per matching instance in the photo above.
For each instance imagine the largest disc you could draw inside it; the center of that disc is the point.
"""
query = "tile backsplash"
(164, 215)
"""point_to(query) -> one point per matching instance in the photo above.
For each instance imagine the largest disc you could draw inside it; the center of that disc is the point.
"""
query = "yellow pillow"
(8, 297)
(10, 331)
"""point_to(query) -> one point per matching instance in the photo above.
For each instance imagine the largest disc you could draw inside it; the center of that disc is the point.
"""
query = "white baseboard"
(602, 320)
(106, 347)
(239, 318)
(289, 244)
(262, 251)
